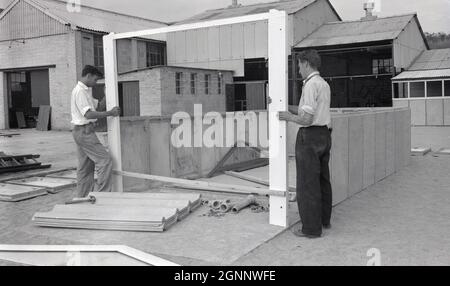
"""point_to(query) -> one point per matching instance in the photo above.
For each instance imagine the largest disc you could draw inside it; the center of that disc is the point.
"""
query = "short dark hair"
(312, 57)
(91, 70)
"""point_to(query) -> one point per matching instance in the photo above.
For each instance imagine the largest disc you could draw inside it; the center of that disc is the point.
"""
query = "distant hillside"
(438, 40)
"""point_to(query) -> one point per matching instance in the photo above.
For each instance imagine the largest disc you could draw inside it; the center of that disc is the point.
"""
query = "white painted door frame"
(278, 93)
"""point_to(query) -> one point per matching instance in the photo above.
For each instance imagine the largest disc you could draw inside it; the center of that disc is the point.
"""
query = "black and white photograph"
(234, 134)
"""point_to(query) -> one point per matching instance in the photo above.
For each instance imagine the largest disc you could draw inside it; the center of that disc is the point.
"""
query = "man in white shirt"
(312, 149)
(91, 152)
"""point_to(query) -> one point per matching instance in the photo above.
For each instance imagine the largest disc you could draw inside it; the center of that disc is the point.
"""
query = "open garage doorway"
(27, 90)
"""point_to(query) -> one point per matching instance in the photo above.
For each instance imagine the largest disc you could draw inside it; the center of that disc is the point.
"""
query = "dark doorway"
(27, 91)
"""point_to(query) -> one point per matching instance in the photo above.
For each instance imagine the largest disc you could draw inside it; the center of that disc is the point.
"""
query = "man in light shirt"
(312, 149)
(91, 152)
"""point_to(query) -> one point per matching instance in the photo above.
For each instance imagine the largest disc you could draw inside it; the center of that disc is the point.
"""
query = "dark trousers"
(314, 195)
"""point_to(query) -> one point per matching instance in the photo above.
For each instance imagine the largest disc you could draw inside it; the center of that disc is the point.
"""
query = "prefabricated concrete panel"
(399, 119)
(355, 154)
(225, 42)
(339, 153)
(214, 43)
(400, 103)
(418, 110)
(237, 41)
(447, 111)
(435, 112)
(249, 40)
(369, 150)
(390, 143)
(380, 146)
(160, 137)
(135, 154)
(407, 147)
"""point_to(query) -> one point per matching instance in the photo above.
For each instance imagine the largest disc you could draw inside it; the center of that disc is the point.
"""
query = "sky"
(434, 15)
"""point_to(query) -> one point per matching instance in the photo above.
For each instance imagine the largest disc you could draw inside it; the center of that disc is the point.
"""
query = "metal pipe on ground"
(250, 200)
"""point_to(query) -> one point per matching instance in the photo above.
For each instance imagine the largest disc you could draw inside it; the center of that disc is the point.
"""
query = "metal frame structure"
(278, 93)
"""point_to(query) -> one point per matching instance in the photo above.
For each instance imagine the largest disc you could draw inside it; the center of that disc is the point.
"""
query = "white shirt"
(82, 101)
(316, 99)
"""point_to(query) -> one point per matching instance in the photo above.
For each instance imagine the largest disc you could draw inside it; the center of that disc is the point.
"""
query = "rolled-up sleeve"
(82, 103)
(310, 101)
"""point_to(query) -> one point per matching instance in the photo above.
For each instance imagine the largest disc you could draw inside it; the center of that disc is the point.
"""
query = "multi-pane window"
(179, 82)
(401, 90)
(207, 83)
(155, 54)
(417, 89)
(193, 82)
(383, 66)
(446, 87)
(219, 84)
(434, 88)
(98, 53)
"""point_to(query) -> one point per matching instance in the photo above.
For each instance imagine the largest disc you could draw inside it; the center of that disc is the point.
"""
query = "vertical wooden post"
(112, 100)
(278, 82)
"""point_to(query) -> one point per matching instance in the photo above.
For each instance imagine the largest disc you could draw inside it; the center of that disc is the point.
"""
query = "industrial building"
(39, 66)
(425, 88)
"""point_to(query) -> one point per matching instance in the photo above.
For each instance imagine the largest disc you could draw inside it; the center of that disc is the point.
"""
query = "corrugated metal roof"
(94, 19)
(432, 59)
(423, 74)
(350, 32)
(290, 7)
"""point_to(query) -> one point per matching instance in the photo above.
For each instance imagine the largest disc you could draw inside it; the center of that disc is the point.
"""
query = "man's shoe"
(327, 226)
(298, 232)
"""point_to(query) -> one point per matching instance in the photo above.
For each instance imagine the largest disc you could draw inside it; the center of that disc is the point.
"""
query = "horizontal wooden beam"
(253, 179)
(202, 185)
(193, 26)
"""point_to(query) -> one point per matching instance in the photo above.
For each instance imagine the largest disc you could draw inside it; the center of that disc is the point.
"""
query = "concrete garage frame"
(278, 94)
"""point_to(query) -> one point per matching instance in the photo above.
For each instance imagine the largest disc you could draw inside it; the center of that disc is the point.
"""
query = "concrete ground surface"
(406, 217)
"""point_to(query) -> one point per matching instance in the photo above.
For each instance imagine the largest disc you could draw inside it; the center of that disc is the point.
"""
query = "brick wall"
(149, 90)
(213, 101)
(56, 50)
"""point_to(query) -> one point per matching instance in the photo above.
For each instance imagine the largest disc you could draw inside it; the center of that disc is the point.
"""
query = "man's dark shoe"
(327, 226)
(298, 232)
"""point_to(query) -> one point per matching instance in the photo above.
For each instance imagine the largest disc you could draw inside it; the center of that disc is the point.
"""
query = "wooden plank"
(37, 174)
(202, 185)
(149, 196)
(221, 162)
(53, 185)
(369, 150)
(20, 120)
(43, 118)
(254, 179)
(278, 92)
(380, 146)
(112, 100)
(14, 193)
(356, 154)
(340, 158)
(69, 174)
(390, 143)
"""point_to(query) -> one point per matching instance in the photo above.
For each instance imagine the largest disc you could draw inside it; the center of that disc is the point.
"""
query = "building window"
(193, 82)
(417, 89)
(400, 90)
(383, 66)
(434, 88)
(207, 79)
(219, 84)
(179, 82)
(98, 53)
(446, 87)
(155, 54)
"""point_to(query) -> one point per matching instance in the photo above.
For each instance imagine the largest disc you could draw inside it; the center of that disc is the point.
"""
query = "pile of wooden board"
(15, 193)
(123, 211)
